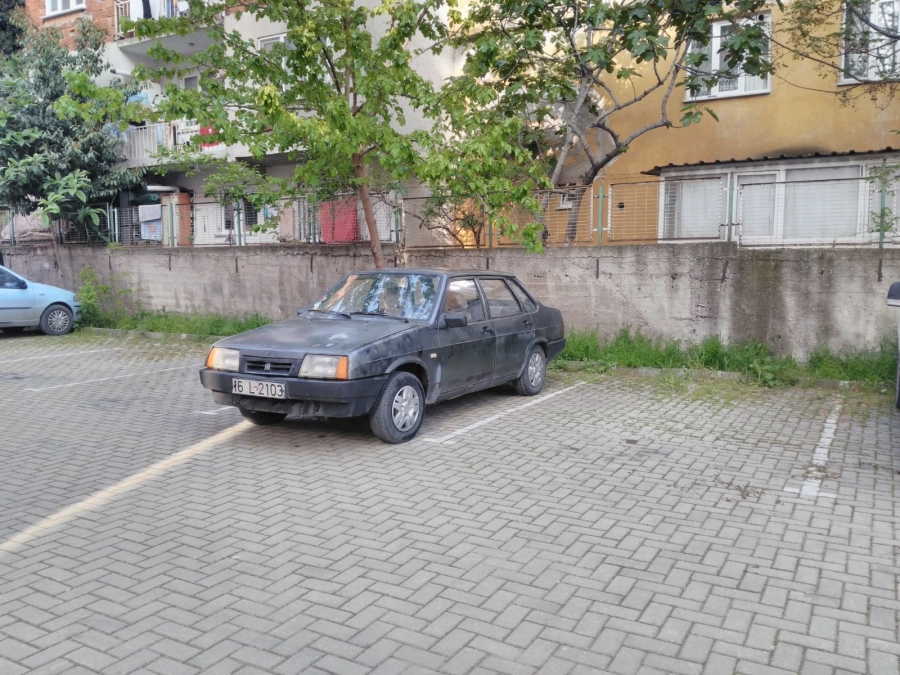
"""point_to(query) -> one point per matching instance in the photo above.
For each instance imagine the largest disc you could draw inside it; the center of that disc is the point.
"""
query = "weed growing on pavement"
(754, 360)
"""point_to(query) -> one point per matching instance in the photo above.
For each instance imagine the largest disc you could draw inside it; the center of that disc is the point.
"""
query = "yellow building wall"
(800, 115)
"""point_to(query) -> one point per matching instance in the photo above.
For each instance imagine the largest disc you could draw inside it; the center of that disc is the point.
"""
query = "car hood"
(321, 334)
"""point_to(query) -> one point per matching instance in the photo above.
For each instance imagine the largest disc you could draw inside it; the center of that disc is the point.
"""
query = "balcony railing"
(126, 9)
(144, 145)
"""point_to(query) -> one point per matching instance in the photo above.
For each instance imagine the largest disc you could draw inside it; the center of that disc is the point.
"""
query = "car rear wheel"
(531, 381)
(57, 320)
(261, 417)
(398, 415)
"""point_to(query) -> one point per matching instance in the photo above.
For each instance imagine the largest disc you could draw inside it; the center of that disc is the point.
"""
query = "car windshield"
(407, 296)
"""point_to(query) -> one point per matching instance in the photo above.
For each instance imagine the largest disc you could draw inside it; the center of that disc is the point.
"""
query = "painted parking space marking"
(217, 411)
(115, 377)
(813, 482)
(62, 355)
(99, 499)
(449, 438)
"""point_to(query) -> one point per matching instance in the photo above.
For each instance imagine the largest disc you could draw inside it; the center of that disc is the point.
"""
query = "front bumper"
(305, 397)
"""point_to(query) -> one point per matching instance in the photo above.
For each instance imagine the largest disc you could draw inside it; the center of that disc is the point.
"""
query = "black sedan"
(385, 343)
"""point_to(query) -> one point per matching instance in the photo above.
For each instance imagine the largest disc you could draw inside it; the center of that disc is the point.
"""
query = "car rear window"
(529, 304)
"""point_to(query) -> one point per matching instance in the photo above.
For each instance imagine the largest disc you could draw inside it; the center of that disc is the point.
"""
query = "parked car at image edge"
(27, 304)
(385, 343)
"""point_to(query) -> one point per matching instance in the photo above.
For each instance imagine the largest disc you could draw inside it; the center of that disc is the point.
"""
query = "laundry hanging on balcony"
(150, 216)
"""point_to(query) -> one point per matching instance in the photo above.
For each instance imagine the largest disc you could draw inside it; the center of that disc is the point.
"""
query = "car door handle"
(528, 323)
(487, 331)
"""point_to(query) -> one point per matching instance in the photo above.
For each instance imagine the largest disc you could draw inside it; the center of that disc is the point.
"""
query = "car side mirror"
(456, 320)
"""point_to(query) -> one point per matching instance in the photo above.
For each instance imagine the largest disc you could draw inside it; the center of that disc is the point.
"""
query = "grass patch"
(107, 306)
(197, 324)
(752, 359)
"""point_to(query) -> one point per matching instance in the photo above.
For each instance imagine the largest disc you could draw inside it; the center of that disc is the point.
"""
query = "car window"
(529, 304)
(7, 280)
(463, 296)
(500, 299)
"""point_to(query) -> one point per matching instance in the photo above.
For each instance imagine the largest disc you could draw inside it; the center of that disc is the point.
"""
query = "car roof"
(439, 272)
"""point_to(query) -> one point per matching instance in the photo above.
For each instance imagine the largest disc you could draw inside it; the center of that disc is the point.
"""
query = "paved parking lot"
(616, 525)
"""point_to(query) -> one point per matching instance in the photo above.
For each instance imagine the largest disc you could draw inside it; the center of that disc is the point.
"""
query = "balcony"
(168, 9)
(143, 145)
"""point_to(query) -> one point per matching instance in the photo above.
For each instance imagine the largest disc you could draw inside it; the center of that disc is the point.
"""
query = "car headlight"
(325, 367)
(221, 358)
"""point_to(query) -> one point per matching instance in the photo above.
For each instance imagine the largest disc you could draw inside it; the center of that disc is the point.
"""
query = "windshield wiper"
(384, 314)
(328, 311)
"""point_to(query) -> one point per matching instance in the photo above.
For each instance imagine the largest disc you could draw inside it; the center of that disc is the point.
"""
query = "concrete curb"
(575, 366)
(701, 374)
(152, 334)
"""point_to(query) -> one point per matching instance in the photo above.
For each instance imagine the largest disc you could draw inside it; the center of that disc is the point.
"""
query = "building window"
(191, 82)
(870, 54)
(566, 199)
(61, 6)
(730, 83)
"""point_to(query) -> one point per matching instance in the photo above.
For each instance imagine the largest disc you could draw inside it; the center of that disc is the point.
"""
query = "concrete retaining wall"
(793, 299)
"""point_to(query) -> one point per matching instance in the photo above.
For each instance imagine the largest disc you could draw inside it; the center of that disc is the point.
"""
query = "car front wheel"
(261, 417)
(57, 320)
(398, 415)
(531, 381)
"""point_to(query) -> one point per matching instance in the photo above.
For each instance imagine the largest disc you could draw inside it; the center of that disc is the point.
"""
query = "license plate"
(257, 388)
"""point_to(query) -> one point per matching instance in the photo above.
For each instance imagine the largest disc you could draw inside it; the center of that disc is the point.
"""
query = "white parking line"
(115, 377)
(217, 411)
(106, 495)
(448, 439)
(51, 356)
(813, 482)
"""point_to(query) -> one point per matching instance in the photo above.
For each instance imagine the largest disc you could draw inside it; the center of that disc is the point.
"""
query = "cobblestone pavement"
(613, 527)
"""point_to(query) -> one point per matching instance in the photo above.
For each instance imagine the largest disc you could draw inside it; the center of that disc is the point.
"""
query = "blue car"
(26, 304)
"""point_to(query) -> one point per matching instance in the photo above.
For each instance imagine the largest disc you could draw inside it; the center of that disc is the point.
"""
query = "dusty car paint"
(449, 361)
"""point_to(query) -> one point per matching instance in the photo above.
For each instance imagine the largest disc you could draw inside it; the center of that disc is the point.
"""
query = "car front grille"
(275, 367)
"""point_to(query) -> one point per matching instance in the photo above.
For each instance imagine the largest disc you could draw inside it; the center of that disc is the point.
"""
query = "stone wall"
(793, 299)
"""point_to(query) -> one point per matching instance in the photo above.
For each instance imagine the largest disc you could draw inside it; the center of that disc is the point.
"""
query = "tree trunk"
(366, 198)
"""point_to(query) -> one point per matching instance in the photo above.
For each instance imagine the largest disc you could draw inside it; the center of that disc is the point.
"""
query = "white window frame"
(184, 80)
(872, 67)
(74, 6)
(863, 235)
(566, 200)
(281, 38)
(715, 46)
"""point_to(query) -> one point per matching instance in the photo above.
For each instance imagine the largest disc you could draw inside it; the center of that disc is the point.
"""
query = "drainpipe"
(600, 214)
(883, 204)
(729, 218)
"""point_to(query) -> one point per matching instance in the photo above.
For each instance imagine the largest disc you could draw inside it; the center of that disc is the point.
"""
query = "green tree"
(52, 161)
(334, 95)
(10, 28)
(569, 68)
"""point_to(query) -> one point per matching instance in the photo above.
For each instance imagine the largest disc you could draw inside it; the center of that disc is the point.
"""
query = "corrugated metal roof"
(657, 170)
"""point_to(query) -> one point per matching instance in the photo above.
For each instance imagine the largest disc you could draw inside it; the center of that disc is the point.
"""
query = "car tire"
(12, 330)
(398, 414)
(262, 418)
(57, 320)
(534, 374)
(897, 387)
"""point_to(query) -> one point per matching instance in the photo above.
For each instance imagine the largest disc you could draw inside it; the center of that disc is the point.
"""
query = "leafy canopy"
(52, 161)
